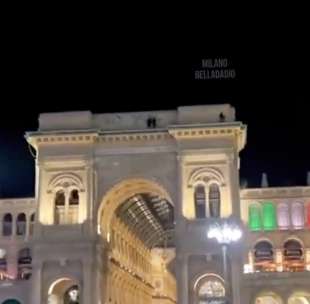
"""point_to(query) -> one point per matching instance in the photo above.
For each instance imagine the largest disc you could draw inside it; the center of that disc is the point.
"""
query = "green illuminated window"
(255, 218)
(269, 216)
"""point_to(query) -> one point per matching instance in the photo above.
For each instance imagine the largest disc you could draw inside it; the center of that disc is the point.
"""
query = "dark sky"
(73, 70)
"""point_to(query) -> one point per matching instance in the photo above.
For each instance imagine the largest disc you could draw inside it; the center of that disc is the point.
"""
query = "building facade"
(122, 209)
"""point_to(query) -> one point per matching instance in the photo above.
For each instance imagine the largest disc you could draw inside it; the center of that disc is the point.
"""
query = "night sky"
(138, 71)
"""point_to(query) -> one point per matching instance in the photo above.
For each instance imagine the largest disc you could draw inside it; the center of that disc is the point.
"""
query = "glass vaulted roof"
(150, 218)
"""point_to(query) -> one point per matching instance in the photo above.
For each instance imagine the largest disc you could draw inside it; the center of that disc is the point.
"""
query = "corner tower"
(65, 194)
(208, 144)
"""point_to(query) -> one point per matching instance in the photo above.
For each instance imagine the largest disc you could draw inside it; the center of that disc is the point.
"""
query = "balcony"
(276, 278)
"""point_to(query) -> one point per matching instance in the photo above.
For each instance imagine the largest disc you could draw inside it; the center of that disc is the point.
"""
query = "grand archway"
(136, 221)
(64, 291)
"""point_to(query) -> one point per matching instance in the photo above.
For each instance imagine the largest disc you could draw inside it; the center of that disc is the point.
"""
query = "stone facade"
(122, 206)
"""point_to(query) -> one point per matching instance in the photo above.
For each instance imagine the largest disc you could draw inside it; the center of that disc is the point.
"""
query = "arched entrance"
(120, 193)
(11, 301)
(208, 288)
(64, 291)
(135, 217)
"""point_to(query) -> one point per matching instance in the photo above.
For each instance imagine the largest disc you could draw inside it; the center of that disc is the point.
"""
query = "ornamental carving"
(65, 180)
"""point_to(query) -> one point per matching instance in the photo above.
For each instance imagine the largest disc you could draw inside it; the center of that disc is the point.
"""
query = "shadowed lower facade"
(123, 203)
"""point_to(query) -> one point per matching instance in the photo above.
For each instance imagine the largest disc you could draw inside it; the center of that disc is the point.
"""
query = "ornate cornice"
(280, 192)
(140, 136)
(36, 138)
(236, 129)
(199, 132)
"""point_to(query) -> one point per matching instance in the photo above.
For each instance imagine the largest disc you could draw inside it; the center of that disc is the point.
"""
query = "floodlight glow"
(73, 294)
(2, 253)
(225, 233)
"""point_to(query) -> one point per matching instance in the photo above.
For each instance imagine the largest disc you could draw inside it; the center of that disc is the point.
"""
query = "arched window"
(7, 225)
(24, 264)
(31, 226)
(209, 288)
(214, 200)
(21, 224)
(200, 202)
(293, 256)
(264, 256)
(24, 256)
(269, 216)
(283, 216)
(3, 264)
(74, 197)
(73, 210)
(66, 207)
(60, 201)
(255, 217)
(298, 216)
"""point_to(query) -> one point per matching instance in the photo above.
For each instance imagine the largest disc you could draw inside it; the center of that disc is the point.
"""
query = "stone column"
(28, 223)
(308, 259)
(36, 290)
(88, 196)
(182, 279)
(1, 225)
(66, 210)
(87, 284)
(279, 260)
(251, 261)
(104, 275)
(236, 272)
(181, 258)
(14, 228)
(12, 263)
(233, 183)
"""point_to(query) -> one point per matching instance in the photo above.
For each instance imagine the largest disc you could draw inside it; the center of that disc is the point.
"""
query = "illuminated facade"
(122, 206)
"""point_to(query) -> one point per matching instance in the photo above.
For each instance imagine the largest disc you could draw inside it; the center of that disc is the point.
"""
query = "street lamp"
(224, 232)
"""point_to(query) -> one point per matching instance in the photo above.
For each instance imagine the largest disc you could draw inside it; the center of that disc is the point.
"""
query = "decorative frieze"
(109, 138)
(64, 139)
(202, 132)
(139, 136)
